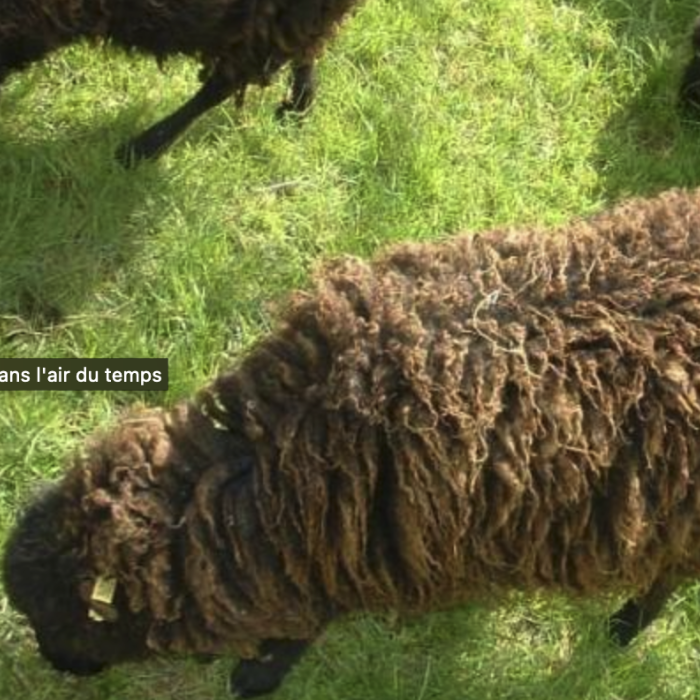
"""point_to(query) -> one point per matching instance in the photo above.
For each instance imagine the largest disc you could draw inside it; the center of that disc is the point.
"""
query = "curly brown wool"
(512, 410)
(239, 43)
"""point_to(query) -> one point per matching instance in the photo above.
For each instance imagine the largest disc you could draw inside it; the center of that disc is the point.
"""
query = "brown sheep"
(512, 410)
(239, 42)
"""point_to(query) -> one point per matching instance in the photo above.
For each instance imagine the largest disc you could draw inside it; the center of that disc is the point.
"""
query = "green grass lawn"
(434, 116)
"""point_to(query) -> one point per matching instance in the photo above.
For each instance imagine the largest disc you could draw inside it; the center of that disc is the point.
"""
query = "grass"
(433, 117)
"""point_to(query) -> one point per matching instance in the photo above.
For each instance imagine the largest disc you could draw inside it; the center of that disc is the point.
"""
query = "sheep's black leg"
(303, 89)
(690, 84)
(638, 613)
(157, 138)
(253, 677)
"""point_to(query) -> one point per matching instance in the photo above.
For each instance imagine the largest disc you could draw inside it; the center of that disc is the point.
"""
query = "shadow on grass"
(549, 653)
(70, 217)
(650, 144)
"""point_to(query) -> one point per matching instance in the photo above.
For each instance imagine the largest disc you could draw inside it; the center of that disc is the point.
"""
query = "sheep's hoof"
(251, 678)
(296, 106)
(288, 110)
(134, 152)
(128, 155)
(625, 625)
(262, 675)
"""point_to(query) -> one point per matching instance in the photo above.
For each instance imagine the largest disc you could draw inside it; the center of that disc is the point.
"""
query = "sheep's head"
(89, 561)
(49, 577)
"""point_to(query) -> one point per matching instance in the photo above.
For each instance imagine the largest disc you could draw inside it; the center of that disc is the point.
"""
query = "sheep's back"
(514, 409)
(248, 39)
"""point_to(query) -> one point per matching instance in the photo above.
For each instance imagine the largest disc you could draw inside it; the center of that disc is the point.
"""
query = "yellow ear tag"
(102, 600)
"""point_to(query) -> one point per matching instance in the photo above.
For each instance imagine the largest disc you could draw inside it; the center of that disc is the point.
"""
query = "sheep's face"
(48, 578)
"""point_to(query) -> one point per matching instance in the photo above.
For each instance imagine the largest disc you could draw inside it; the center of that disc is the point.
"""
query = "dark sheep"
(239, 42)
(513, 410)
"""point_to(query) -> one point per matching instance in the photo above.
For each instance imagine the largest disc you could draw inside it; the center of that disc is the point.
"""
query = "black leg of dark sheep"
(302, 91)
(508, 411)
(254, 677)
(160, 136)
(638, 613)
